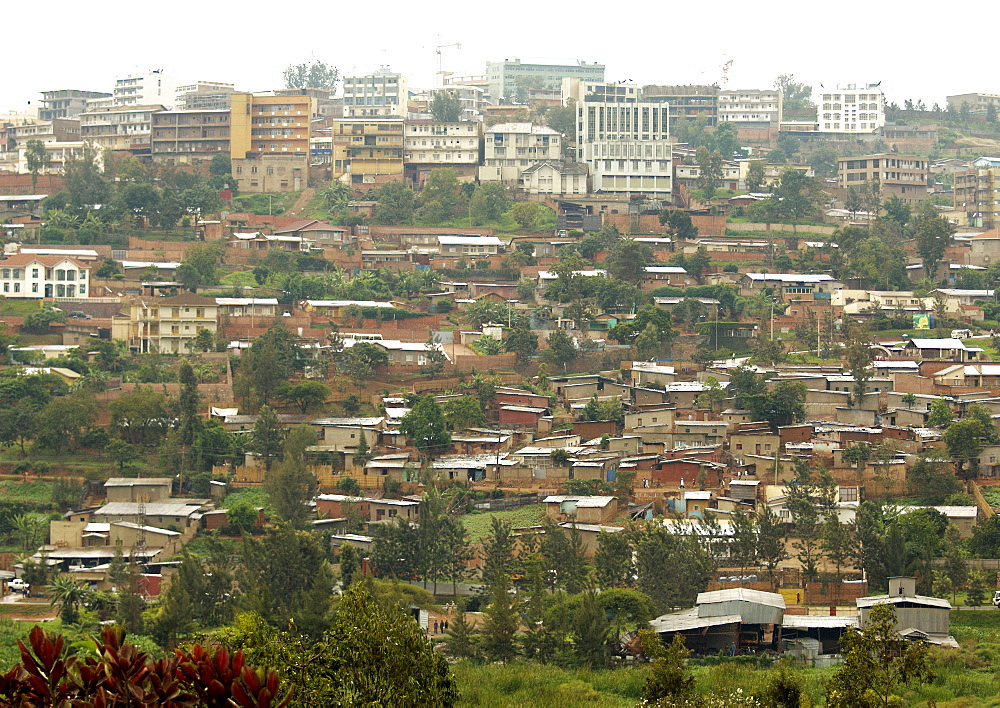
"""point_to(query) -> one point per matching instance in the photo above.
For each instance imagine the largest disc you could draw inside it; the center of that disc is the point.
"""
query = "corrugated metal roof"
(818, 621)
(900, 599)
(689, 619)
(760, 597)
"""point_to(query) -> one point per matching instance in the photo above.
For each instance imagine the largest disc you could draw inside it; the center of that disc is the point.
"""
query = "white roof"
(665, 269)
(246, 301)
(895, 599)
(792, 277)
(958, 292)
(469, 241)
(522, 128)
(697, 495)
(549, 275)
(170, 265)
(814, 621)
(760, 597)
(581, 502)
(74, 252)
(938, 344)
(345, 303)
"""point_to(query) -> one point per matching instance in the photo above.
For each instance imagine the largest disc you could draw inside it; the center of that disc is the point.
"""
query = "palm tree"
(29, 529)
(69, 595)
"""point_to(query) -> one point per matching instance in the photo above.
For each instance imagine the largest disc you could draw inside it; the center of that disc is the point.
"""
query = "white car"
(17, 585)
(996, 599)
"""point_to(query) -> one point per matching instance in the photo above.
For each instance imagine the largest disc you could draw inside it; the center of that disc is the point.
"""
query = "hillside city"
(529, 388)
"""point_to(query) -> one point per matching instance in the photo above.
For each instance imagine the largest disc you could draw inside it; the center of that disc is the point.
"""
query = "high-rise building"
(383, 93)
(431, 144)
(511, 148)
(189, 137)
(204, 95)
(851, 108)
(509, 78)
(369, 150)
(624, 140)
(119, 127)
(270, 141)
(153, 87)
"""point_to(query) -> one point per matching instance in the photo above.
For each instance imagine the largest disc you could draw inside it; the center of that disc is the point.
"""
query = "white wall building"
(750, 108)
(626, 146)
(510, 148)
(851, 108)
(30, 276)
(439, 144)
(563, 178)
(384, 93)
(144, 89)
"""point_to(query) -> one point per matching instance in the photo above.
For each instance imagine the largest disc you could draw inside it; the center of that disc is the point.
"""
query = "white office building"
(851, 108)
(384, 93)
(153, 87)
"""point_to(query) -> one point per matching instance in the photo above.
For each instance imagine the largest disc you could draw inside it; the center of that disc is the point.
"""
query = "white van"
(961, 333)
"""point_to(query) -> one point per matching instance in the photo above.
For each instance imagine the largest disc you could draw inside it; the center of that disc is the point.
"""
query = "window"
(34, 272)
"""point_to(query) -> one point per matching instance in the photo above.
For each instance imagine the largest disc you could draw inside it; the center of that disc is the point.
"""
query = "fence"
(784, 228)
(507, 504)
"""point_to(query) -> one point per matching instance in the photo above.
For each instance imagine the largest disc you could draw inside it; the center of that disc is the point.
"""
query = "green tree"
(756, 176)
(710, 164)
(446, 107)
(939, 413)
(62, 422)
(290, 486)
(591, 631)
(36, 159)
(140, 417)
(965, 440)
(933, 235)
(307, 395)
(497, 554)
(395, 204)
(500, 623)
(798, 195)
(678, 223)
(489, 203)
(561, 349)
(669, 677)
(613, 567)
(931, 480)
(726, 140)
(877, 662)
(461, 639)
(317, 74)
(795, 95)
(522, 342)
(267, 437)
(463, 412)
(858, 357)
(425, 425)
(628, 261)
(189, 424)
(69, 595)
(122, 453)
(360, 361)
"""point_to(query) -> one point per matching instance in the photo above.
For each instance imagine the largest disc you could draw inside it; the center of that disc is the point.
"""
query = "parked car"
(996, 599)
(77, 315)
(17, 585)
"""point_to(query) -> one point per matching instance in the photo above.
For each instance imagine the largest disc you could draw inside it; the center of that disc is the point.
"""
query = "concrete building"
(270, 142)
(57, 155)
(67, 103)
(368, 151)
(511, 148)
(976, 102)
(382, 93)
(750, 108)
(145, 89)
(204, 95)
(31, 276)
(430, 144)
(899, 175)
(471, 98)
(686, 102)
(626, 145)
(119, 127)
(190, 137)
(505, 78)
(851, 108)
(977, 193)
(559, 178)
(49, 131)
(166, 324)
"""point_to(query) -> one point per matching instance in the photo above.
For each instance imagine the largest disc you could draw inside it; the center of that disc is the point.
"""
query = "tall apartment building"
(430, 144)
(119, 128)
(977, 193)
(899, 175)
(511, 148)
(852, 109)
(626, 145)
(383, 93)
(976, 102)
(67, 103)
(49, 131)
(270, 141)
(506, 77)
(57, 154)
(166, 324)
(189, 137)
(153, 87)
(204, 95)
(369, 150)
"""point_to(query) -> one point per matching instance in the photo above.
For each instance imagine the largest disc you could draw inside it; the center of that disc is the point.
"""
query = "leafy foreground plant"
(122, 675)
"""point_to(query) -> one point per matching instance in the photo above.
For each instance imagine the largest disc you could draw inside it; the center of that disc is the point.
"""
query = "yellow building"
(270, 140)
(166, 324)
(370, 150)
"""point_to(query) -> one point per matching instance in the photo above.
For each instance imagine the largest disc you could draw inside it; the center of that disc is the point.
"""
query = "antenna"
(725, 73)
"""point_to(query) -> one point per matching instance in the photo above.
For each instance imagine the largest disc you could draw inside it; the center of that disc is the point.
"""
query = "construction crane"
(437, 50)
(725, 73)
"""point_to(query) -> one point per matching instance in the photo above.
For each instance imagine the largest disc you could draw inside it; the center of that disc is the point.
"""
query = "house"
(790, 286)
(583, 509)
(257, 241)
(391, 509)
(165, 513)
(659, 276)
(560, 178)
(510, 148)
(342, 308)
(247, 306)
(462, 246)
(166, 324)
(737, 617)
(320, 233)
(145, 489)
(940, 350)
(917, 617)
(33, 276)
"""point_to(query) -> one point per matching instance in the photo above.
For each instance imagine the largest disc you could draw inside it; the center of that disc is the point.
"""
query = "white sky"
(87, 47)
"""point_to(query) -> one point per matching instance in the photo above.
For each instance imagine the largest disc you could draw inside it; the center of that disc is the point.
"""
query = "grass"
(255, 497)
(34, 492)
(17, 307)
(478, 524)
(517, 685)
